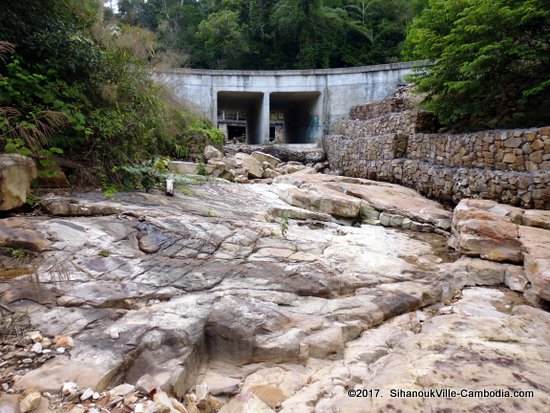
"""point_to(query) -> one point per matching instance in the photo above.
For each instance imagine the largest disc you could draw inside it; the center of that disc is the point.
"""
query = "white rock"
(244, 403)
(252, 166)
(272, 161)
(69, 388)
(30, 402)
(201, 390)
(60, 350)
(122, 390)
(16, 174)
(211, 152)
(87, 394)
(35, 336)
(36, 348)
(162, 403)
(139, 408)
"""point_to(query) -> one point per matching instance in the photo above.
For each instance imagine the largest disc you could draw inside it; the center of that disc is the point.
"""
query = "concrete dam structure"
(282, 106)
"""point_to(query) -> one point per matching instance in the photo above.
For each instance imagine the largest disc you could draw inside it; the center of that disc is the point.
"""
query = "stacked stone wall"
(380, 147)
(506, 150)
(397, 122)
(509, 166)
(376, 109)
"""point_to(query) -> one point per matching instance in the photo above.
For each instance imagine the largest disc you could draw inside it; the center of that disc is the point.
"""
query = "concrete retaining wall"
(338, 90)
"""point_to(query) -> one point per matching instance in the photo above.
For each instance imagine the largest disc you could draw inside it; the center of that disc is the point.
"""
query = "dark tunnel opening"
(300, 112)
(248, 102)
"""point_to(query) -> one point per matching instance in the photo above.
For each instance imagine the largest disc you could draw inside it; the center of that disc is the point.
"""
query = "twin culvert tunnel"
(282, 106)
(276, 117)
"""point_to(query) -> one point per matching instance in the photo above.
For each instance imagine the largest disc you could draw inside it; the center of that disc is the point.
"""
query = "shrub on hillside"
(491, 61)
(68, 85)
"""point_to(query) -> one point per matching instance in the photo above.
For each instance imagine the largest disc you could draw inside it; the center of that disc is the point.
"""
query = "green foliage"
(32, 200)
(201, 169)
(276, 34)
(491, 61)
(16, 145)
(284, 226)
(203, 128)
(17, 253)
(223, 39)
(109, 191)
(144, 176)
(70, 87)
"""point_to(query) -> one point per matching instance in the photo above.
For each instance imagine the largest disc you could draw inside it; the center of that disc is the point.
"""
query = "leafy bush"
(491, 61)
(146, 176)
(71, 87)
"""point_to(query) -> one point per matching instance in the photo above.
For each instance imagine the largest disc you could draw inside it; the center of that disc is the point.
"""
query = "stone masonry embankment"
(509, 166)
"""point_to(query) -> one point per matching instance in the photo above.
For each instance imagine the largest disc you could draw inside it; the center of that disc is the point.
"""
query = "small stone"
(60, 350)
(64, 341)
(114, 334)
(139, 408)
(5, 386)
(69, 388)
(509, 158)
(241, 179)
(201, 390)
(130, 399)
(30, 402)
(46, 342)
(96, 396)
(26, 361)
(87, 394)
(162, 403)
(513, 143)
(536, 157)
(35, 336)
(122, 390)
(179, 407)
(446, 310)
(36, 348)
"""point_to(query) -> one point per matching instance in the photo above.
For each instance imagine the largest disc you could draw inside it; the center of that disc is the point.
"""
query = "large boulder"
(375, 202)
(264, 157)
(251, 165)
(210, 152)
(306, 153)
(502, 233)
(17, 233)
(16, 175)
(68, 207)
(536, 246)
(320, 199)
(488, 230)
(193, 168)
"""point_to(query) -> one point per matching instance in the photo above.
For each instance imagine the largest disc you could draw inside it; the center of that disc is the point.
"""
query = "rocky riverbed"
(279, 297)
